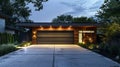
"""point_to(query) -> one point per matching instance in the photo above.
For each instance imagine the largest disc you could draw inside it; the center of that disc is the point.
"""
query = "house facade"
(61, 33)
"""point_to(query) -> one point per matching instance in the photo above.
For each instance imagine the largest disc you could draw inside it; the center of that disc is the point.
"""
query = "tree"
(84, 19)
(110, 16)
(18, 9)
(63, 19)
(109, 11)
(111, 32)
(70, 19)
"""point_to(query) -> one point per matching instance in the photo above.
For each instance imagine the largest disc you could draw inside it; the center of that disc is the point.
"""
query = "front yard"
(7, 48)
(110, 51)
(9, 43)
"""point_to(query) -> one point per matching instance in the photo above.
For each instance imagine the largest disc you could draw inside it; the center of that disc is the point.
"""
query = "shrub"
(103, 47)
(114, 50)
(89, 46)
(24, 44)
(4, 49)
(83, 45)
(92, 46)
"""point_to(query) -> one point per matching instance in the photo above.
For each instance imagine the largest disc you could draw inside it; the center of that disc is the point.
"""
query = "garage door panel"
(52, 37)
(54, 42)
(50, 34)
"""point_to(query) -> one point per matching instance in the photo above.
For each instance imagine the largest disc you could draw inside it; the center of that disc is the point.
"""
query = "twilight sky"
(54, 8)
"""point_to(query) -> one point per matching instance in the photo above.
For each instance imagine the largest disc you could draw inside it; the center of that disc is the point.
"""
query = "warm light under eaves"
(69, 28)
(41, 28)
(51, 28)
(60, 28)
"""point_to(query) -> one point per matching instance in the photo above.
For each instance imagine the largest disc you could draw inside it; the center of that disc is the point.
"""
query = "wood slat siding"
(75, 36)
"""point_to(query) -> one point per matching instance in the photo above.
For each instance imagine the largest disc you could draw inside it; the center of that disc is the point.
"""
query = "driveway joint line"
(53, 64)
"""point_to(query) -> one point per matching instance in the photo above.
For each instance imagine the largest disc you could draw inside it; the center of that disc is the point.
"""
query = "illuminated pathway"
(55, 56)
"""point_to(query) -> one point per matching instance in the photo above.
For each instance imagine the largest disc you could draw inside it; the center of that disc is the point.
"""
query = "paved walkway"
(55, 56)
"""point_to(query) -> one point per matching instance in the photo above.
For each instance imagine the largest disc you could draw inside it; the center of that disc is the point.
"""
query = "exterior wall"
(2, 25)
(34, 32)
(60, 28)
(76, 35)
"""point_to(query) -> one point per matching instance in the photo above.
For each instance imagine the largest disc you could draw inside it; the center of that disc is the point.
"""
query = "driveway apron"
(55, 55)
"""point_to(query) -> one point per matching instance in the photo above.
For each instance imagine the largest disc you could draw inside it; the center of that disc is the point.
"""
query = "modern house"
(61, 33)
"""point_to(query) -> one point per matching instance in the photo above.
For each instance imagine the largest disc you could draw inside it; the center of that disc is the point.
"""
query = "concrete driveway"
(55, 56)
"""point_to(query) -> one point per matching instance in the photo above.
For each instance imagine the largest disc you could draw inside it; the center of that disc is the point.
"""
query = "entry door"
(80, 37)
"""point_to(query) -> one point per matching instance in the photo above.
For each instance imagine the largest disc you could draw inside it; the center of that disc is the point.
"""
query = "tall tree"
(109, 11)
(18, 9)
(71, 19)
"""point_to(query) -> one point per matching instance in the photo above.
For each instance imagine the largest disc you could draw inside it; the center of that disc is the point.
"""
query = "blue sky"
(53, 8)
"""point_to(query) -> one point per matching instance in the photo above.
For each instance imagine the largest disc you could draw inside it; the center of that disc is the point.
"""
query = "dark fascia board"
(4, 16)
(56, 24)
(13, 28)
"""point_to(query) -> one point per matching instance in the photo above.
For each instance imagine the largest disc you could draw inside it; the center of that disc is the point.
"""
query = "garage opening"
(55, 37)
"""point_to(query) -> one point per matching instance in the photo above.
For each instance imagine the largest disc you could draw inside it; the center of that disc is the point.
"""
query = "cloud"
(83, 7)
(96, 5)
(75, 8)
(54, 8)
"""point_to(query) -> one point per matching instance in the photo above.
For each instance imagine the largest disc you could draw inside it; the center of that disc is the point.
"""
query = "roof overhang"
(57, 24)
(13, 28)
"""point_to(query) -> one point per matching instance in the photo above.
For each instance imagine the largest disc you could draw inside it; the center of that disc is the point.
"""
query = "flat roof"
(26, 24)
(14, 28)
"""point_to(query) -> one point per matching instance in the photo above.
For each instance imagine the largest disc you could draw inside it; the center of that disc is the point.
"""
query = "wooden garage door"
(55, 37)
